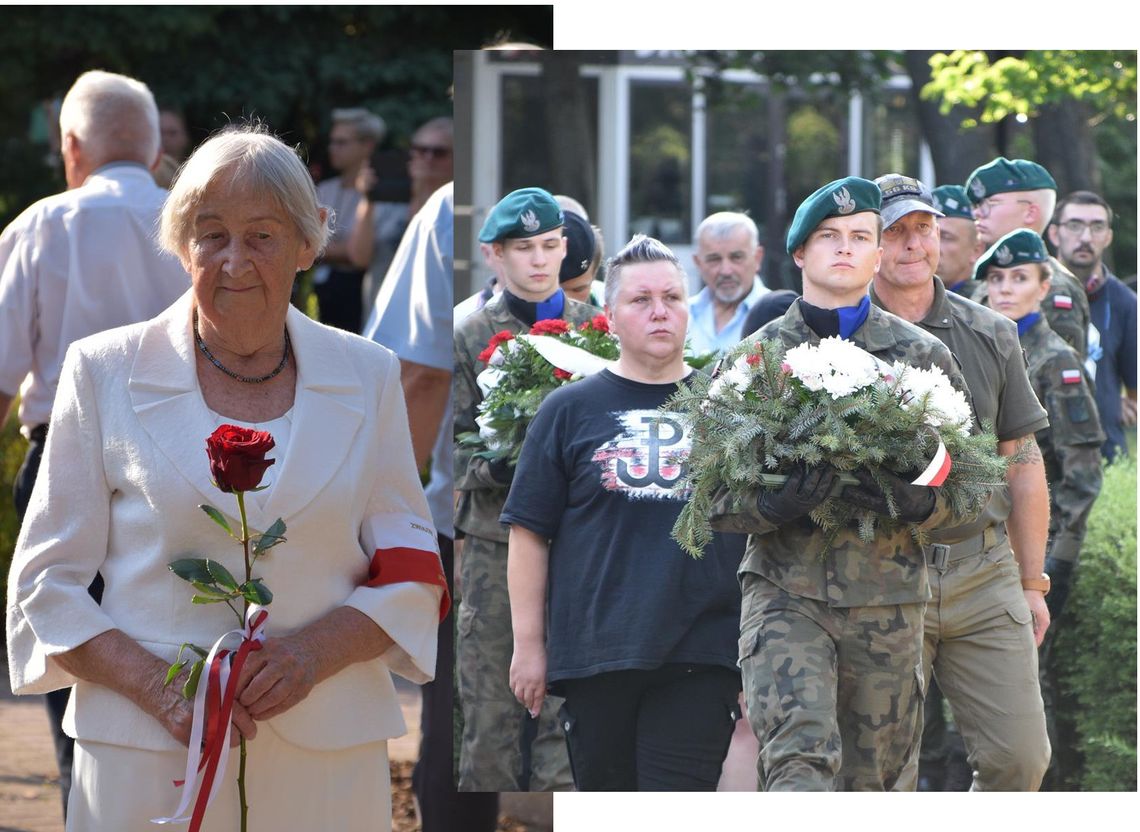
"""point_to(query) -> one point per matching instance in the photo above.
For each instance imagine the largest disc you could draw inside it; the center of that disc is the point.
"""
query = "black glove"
(805, 489)
(1060, 574)
(914, 502)
(501, 471)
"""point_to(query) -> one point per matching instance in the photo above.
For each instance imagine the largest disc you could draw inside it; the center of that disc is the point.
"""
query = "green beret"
(841, 198)
(1003, 175)
(952, 201)
(522, 213)
(1014, 249)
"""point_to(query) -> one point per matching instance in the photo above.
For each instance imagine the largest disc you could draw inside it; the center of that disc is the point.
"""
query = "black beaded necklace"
(246, 379)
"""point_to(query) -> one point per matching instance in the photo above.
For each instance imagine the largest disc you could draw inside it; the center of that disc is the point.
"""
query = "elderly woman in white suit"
(124, 471)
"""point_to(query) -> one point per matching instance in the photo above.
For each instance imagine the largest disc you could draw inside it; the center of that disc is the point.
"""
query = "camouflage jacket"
(889, 570)
(1066, 307)
(1071, 443)
(481, 498)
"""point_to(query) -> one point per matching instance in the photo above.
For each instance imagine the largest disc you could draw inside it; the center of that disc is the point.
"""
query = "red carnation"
(598, 322)
(753, 360)
(550, 326)
(237, 457)
(500, 337)
(562, 375)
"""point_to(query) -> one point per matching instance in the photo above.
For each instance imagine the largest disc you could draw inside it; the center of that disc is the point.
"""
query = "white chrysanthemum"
(488, 434)
(835, 365)
(945, 403)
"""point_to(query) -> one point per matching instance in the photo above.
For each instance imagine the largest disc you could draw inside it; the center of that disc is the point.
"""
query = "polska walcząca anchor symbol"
(655, 443)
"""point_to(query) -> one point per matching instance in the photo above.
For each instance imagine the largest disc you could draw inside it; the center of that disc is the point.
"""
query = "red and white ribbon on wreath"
(938, 469)
(218, 688)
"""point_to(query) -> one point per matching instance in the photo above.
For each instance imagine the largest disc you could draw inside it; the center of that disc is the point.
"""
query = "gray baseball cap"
(902, 195)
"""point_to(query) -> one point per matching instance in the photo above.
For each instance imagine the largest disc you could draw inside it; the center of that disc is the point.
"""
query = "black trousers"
(442, 808)
(666, 729)
(341, 300)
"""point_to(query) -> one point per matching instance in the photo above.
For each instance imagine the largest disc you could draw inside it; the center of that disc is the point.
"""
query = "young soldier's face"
(839, 259)
(1018, 290)
(530, 266)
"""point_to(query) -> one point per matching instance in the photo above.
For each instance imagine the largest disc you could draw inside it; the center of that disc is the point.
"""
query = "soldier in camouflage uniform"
(1025, 197)
(525, 231)
(1015, 272)
(988, 611)
(831, 647)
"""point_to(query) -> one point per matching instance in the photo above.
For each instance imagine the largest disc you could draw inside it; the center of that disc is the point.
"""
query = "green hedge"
(1096, 648)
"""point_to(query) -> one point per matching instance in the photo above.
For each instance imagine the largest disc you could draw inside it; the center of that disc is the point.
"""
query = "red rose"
(562, 375)
(598, 322)
(500, 337)
(550, 326)
(237, 457)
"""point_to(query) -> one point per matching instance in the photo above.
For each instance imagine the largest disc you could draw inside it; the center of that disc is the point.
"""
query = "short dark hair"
(641, 249)
(1082, 198)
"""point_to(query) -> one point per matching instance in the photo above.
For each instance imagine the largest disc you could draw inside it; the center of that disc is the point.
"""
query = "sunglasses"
(434, 151)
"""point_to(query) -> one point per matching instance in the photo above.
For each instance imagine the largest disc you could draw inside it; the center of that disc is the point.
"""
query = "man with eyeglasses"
(988, 613)
(337, 281)
(1009, 194)
(379, 223)
(1081, 233)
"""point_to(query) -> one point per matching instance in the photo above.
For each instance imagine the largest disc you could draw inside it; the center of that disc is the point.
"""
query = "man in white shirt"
(728, 258)
(80, 262)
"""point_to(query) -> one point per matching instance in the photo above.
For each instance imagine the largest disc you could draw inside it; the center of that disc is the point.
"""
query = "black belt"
(940, 554)
(38, 434)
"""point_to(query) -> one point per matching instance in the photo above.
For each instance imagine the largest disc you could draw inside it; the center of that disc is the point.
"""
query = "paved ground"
(29, 781)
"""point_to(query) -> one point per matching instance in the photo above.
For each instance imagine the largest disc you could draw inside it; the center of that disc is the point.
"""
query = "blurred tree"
(287, 65)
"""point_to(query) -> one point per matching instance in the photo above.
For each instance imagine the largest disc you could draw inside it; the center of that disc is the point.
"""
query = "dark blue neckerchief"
(844, 321)
(530, 312)
(1025, 324)
(958, 288)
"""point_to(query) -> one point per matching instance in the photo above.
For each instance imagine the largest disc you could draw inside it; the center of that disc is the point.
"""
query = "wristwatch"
(1041, 584)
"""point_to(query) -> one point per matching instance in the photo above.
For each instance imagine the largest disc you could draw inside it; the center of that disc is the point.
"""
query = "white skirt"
(119, 789)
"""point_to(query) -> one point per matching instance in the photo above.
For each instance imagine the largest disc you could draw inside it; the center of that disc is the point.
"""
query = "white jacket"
(123, 473)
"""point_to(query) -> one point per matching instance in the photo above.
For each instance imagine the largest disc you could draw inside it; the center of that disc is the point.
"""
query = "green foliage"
(1095, 649)
(1005, 86)
(756, 420)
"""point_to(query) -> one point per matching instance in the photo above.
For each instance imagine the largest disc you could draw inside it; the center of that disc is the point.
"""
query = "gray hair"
(442, 123)
(114, 116)
(641, 249)
(368, 125)
(261, 162)
(724, 223)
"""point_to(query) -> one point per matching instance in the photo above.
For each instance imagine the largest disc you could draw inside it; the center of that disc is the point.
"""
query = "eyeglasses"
(983, 208)
(1097, 227)
(434, 151)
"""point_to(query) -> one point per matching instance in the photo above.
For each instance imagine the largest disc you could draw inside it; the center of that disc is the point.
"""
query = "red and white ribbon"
(938, 469)
(209, 743)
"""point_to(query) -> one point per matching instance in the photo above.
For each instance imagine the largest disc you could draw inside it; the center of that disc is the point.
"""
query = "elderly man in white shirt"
(80, 262)
(728, 258)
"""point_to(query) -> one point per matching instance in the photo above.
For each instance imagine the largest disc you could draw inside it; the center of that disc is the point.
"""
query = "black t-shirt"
(595, 477)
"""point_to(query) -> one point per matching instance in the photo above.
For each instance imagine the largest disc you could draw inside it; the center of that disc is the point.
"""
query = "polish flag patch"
(1071, 376)
(1062, 302)
(938, 469)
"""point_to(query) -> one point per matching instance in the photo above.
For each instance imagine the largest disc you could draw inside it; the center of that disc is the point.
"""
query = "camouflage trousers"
(834, 695)
(491, 750)
(979, 645)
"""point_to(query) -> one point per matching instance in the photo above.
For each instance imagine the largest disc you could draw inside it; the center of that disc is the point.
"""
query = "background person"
(958, 243)
(728, 257)
(77, 263)
(316, 701)
(338, 281)
(641, 636)
(1081, 233)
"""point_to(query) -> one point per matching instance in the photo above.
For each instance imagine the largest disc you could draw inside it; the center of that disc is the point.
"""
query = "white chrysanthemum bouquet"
(829, 403)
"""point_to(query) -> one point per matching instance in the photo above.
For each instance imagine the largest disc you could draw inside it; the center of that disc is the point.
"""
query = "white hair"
(724, 223)
(368, 125)
(258, 161)
(113, 116)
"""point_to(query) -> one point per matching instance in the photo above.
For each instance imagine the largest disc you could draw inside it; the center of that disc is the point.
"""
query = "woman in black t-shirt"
(607, 610)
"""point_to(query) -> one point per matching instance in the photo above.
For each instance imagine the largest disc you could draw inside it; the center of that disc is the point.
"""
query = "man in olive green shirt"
(988, 613)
